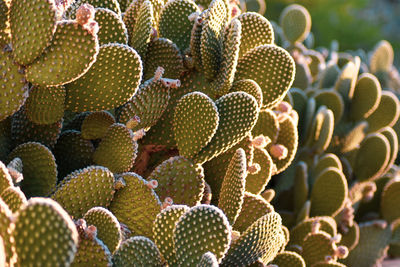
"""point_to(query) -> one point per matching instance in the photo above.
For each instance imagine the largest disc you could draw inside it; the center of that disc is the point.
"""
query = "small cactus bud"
(278, 151)
(336, 238)
(91, 232)
(170, 83)
(15, 170)
(85, 14)
(192, 17)
(152, 184)
(341, 252)
(315, 226)
(119, 183)
(235, 236)
(368, 192)
(167, 202)
(284, 107)
(253, 169)
(261, 141)
(158, 73)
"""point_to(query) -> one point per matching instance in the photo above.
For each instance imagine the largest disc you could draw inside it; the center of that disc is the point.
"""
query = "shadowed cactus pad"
(45, 105)
(137, 251)
(53, 68)
(14, 198)
(163, 229)
(179, 179)
(96, 125)
(271, 67)
(117, 150)
(57, 242)
(195, 123)
(83, 189)
(208, 260)
(40, 171)
(201, 229)
(111, 81)
(16, 87)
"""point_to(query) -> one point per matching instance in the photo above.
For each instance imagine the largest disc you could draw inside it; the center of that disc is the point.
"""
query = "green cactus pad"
(392, 137)
(14, 198)
(238, 114)
(229, 59)
(208, 260)
(231, 196)
(45, 105)
(53, 67)
(29, 40)
(382, 57)
(137, 251)
(366, 97)
(136, 205)
(372, 247)
(253, 208)
(58, 239)
(301, 187)
(4, 25)
(255, 183)
(256, 31)
(163, 229)
(288, 137)
(325, 161)
(174, 23)
(296, 23)
(302, 229)
(347, 79)
(16, 88)
(374, 152)
(23, 130)
(112, 5)
(201, 229)
(148, 104)
(262, 64)
(328, 193)
(386, 114)
(83, 189)
(288, 259)
(164, 53)
(91, 251)
(5, 139)
(317, 246)
(5, 222)
(5, 178)
(72, 152)
(212, 36)
(108, 228)
(141, 34)
(332, 100)
(389, 199)
(117, 150)
(111, 27)
(75, 121)
(267, 125)
(96, 124)
(263, 238)
(195, 41)
(117, 72)
(179, 179)
(320, 134)
(40, 171)
(250, 87)
(351, 238)
(195, 123)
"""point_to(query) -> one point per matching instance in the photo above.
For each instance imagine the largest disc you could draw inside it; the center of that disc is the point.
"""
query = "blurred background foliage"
(353, 23)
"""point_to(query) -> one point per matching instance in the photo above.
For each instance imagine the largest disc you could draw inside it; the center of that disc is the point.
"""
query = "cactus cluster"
(182, 133)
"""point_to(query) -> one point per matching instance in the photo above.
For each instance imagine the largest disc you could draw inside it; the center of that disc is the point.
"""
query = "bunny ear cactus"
(193, 238)
(289, 258)
(111, 27)
(296, 23)
(44, 216)
(14, 198)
